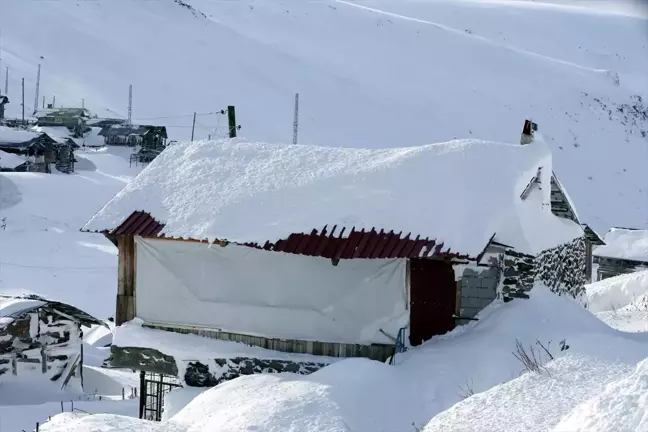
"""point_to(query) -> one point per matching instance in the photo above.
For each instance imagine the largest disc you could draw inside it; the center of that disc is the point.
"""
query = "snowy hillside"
(381, 74)
(41, 248)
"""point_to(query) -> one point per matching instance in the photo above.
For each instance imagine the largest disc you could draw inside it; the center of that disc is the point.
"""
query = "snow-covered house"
(335, 250)
(41, 340)
(625, 251)
(41, 149)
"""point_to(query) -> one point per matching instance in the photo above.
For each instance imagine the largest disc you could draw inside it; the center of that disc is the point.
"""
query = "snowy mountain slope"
(41, 248)
(385, 73)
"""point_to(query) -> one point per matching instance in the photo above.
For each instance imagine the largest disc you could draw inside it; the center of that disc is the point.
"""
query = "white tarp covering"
(243, 290)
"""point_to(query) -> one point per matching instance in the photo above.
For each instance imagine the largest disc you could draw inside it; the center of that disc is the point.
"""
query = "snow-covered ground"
(43, 251)
(370, 74)
(384, 73)
(363, 395)
(621, 301)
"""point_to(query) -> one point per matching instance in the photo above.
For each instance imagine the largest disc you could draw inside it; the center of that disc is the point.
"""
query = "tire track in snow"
(476, 37)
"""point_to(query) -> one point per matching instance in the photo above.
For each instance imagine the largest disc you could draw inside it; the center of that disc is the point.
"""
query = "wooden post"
(142, 401)
(231, 117)
(125, 310)
(193, 126)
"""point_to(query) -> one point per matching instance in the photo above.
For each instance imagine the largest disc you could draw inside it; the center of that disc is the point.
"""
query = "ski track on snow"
(475, 37)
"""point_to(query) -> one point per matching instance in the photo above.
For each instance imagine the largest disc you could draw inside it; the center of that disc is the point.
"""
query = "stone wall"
(203, 373)
(478, 289)
(563, 269)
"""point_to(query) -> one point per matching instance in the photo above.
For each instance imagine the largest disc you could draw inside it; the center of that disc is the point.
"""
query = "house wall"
(563, 269)
(242, 290)
(41, 343)
(610, 267)
(478, 288)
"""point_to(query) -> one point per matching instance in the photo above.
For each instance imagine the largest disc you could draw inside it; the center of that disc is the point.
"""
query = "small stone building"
(331, 251)
(42, 339)
(625, 251)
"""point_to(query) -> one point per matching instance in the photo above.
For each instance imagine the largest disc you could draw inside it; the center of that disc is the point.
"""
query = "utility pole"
(130, 102)
(37, 88)
(23, 101)
(231, 118)
(193, 126)
(1, 54)
(83, 103)
(53, 101)
(43, 102)
(296, 119)
(6, 80)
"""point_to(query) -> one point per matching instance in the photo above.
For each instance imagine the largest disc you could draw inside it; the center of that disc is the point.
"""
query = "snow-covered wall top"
(624, 244)
(10, 160)
(460, 192)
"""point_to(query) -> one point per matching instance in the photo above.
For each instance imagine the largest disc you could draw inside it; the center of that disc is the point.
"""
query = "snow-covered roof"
(10, 160)
(14, 306)
(15, 136)
(460, 192)
(625, 243)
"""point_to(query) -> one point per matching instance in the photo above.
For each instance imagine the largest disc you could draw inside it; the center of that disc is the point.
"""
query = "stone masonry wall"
(204, 373)
(201, 375)
(563, 269)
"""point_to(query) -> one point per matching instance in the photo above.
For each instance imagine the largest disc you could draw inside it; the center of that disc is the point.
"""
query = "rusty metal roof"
(318, 243)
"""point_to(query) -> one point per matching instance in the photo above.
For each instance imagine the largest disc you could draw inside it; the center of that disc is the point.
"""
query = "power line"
(182, 115)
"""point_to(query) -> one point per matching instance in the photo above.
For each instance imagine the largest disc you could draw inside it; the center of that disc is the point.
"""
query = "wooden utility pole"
(23, 101)
(43, 102)
(193, 126)
(6, 81)
(296, 119)
(231, 119)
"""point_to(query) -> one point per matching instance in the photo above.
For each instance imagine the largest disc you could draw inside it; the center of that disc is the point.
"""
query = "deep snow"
(362, 395)
(621, 301)
(631, 244)
(392, 73)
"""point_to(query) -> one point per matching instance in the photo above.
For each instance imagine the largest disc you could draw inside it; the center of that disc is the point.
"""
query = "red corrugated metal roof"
(322, 243)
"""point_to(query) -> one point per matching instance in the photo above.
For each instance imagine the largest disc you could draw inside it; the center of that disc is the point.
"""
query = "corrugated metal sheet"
(320, 243)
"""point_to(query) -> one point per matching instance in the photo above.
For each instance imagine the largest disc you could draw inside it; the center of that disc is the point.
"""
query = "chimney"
(527, 132)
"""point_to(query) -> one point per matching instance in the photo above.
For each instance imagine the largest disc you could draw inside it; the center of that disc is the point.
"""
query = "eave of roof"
(323, 243)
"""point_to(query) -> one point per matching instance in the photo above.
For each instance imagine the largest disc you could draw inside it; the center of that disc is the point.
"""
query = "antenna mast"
(130, 102)
(37, 88)
(296, 119)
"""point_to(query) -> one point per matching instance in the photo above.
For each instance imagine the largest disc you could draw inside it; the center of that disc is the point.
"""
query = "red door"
(432, 299)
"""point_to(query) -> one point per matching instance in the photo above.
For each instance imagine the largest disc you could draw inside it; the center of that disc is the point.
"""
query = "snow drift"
(361, 395)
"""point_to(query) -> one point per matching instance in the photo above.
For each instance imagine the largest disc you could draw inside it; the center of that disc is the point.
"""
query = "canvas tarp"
(270, 294)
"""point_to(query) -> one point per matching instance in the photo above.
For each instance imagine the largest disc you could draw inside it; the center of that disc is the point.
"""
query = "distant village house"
(74, 119)
(625, 251)
(40, 150)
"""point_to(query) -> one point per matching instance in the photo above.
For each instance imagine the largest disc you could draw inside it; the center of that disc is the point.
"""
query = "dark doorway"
(432, 299)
